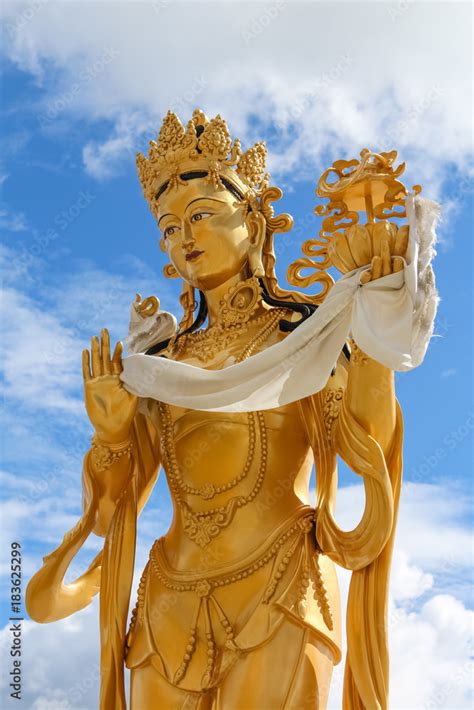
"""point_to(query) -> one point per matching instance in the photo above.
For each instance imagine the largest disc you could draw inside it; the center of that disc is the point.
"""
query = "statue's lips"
(193, 255)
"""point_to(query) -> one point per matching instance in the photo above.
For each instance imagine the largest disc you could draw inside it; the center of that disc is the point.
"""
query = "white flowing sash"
(391, 319)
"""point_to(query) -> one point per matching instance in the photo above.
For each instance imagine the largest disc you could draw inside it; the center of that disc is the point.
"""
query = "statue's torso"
(270, 454)
(268, 451)
(259, 548)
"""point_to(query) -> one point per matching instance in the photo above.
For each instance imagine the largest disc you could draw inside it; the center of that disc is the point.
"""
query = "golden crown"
(204, 146)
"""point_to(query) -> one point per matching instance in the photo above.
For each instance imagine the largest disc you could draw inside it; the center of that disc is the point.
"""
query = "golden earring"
(256, 226)
(188, 301)
(170, 272)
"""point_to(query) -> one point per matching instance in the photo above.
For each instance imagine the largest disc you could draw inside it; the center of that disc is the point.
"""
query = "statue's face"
(204, 233)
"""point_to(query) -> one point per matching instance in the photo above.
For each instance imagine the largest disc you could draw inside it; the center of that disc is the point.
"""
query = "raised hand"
(380, 246)
(109, 406)
(388, 255)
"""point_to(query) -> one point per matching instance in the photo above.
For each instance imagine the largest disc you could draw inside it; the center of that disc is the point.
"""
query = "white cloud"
(408, 581)
(60, 663)
(424, 508)
(39, 355)
(430, 651)
(12, 222)
(450, 372)
(334, 77)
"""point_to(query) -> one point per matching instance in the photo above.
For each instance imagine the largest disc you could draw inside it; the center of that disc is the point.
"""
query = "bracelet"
(105, 455)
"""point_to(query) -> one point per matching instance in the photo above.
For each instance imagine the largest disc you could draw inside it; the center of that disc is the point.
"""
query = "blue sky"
(79, 98)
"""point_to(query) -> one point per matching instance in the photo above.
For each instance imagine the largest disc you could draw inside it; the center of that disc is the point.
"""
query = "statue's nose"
(188, 239)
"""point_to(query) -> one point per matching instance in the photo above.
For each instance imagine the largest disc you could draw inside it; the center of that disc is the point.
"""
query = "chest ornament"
(206, 344)
(204, 526)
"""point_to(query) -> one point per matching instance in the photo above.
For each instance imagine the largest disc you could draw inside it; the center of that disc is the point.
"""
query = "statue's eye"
(169, 231)
(199, 216)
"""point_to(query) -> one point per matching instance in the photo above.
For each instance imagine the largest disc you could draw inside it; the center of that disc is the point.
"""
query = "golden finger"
(86, 365)
(366, 277)
(401, 241)
(398, 264)
(376, 267)
(105, 352)
(391, 232)
(386, 259)
(378, 232)
(117, 366)
(96, 364)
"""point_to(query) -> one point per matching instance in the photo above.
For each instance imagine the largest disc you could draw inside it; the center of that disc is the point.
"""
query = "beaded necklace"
(204, 344)
(203, 526)
(209, 490)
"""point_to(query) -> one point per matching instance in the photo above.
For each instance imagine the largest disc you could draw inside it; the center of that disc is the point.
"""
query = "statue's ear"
(256, 225)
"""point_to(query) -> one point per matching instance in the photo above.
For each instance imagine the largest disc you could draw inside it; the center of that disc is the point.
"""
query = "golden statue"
(238, 606)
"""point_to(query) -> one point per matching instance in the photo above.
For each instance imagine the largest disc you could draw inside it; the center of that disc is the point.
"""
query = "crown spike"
(205, 145)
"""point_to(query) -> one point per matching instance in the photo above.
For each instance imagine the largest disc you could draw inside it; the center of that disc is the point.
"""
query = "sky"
(84, 87)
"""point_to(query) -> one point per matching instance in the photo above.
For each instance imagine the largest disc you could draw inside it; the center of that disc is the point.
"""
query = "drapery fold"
(48, 598)
(366, 550)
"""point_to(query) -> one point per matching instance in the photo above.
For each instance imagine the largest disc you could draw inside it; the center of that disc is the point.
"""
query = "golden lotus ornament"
(369, 186)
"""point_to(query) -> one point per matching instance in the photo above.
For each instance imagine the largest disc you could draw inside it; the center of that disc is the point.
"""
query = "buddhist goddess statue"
(238, 606)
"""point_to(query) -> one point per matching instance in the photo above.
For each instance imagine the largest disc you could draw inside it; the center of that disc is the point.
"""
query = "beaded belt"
(293, 529)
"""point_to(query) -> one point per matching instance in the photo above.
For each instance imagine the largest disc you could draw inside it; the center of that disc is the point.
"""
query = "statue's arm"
(111, 470)
(370, 397)
(124, 440)
(370, 393)
(118, 476)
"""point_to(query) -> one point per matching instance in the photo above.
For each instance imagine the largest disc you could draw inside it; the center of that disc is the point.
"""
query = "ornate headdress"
(205, 149)
(205, 146)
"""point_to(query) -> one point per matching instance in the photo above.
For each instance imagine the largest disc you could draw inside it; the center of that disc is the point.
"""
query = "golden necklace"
(203, 526)
(209, 490)
(236, 312)
(204, 344)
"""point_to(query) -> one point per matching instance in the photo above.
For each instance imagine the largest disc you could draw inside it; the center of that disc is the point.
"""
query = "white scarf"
(391, 319)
